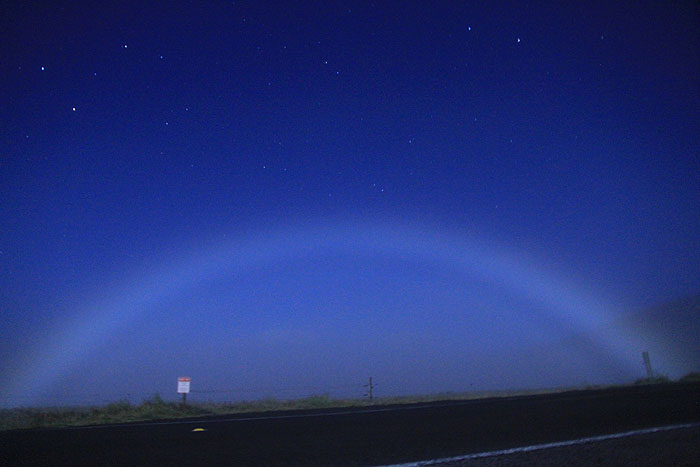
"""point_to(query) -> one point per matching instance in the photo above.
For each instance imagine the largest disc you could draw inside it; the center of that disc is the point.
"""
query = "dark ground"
(367, 436)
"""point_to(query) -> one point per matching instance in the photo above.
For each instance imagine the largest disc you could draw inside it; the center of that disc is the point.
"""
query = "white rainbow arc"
(65, 349)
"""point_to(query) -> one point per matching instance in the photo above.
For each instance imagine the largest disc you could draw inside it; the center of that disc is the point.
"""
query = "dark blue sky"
(285, 200)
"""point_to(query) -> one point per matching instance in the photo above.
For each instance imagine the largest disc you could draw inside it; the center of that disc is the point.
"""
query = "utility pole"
(647, 364)
(370, 389)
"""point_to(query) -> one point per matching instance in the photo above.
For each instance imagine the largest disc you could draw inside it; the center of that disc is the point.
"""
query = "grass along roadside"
(156, 408)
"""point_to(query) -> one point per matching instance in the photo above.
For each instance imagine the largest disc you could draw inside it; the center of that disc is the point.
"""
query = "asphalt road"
(367, 436)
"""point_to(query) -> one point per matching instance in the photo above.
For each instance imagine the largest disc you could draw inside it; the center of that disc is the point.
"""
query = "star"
(518, 39)
(73, 109)
(42, 68)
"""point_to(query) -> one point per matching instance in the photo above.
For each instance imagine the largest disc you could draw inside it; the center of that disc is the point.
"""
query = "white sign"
(183, 385)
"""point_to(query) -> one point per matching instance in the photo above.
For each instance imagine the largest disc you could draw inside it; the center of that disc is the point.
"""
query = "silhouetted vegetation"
(658, 379)
(155, 408)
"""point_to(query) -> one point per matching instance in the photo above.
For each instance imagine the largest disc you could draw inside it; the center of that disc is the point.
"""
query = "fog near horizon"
(285, 202)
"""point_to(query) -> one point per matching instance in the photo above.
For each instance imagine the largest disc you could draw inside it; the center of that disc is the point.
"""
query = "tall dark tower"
(647, 364)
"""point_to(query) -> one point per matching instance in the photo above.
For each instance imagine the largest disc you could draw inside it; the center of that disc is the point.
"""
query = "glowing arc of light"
(144, 289)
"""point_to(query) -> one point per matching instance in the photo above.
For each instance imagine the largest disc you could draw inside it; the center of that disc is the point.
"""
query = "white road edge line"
(537, 447)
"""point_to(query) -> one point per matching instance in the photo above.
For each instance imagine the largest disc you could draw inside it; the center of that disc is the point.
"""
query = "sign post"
(183, 387)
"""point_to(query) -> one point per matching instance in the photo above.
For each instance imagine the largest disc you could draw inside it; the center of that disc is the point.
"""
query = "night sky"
(284, 199)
